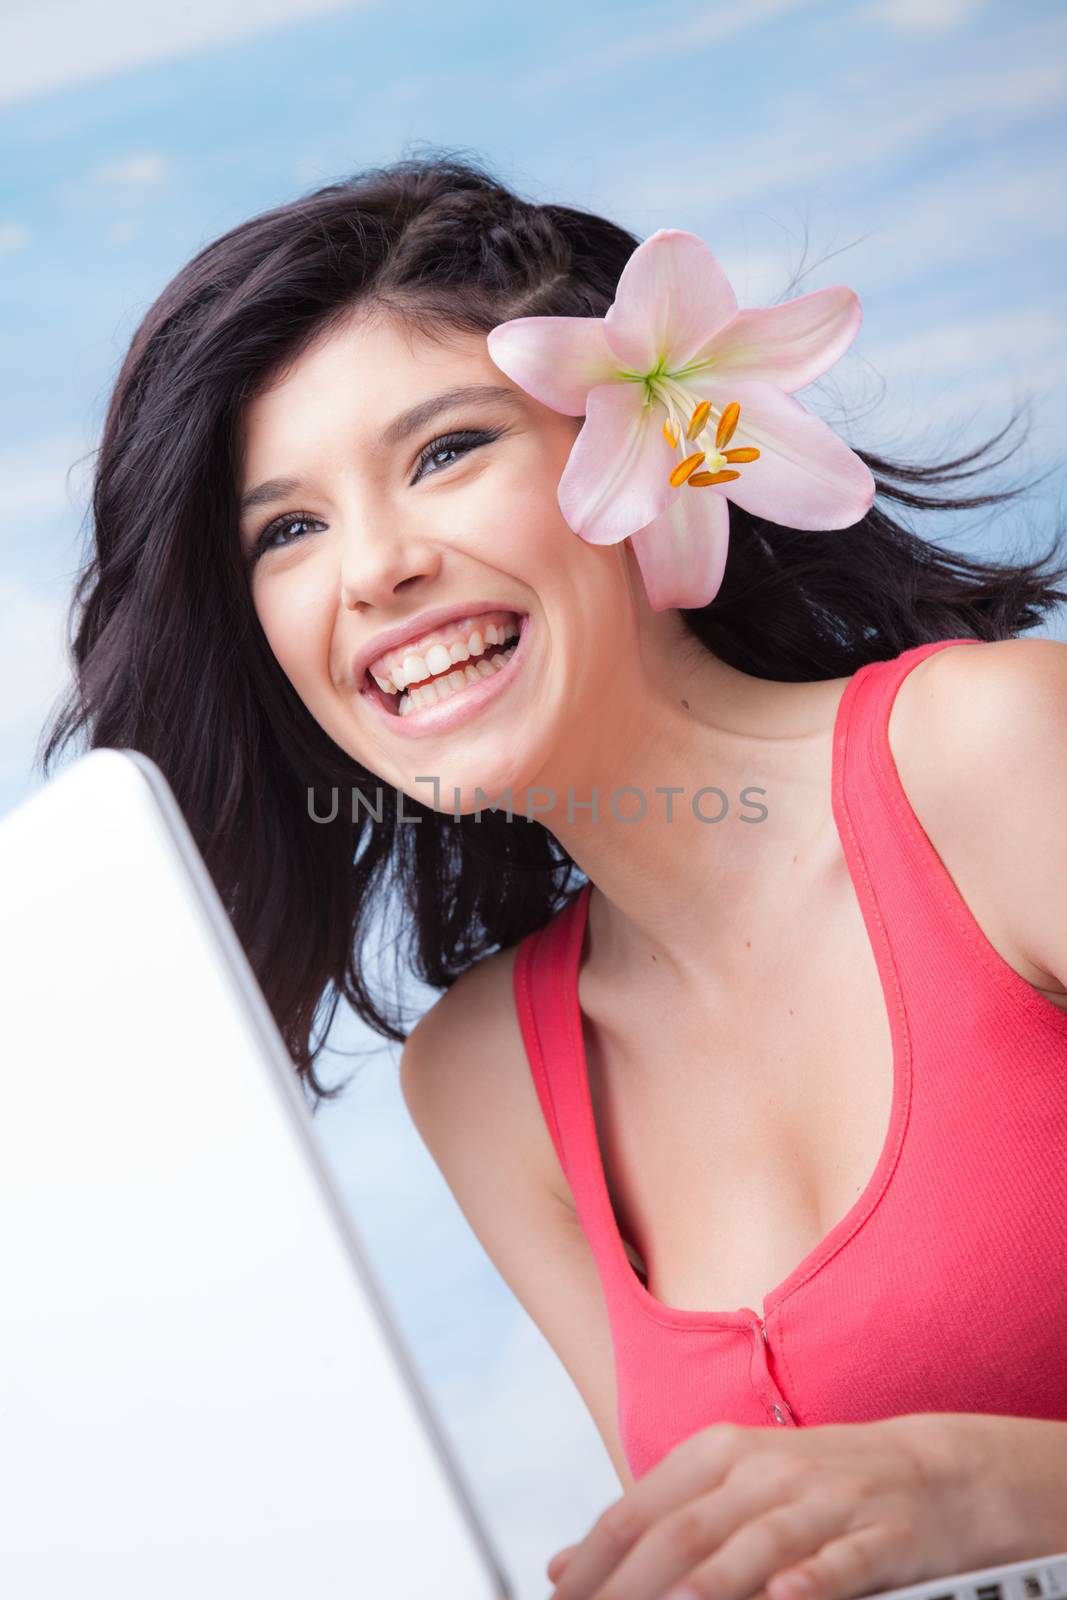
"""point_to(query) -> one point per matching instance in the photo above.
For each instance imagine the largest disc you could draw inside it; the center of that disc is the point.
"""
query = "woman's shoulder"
(971, 716)
(978, 685)
(979, 739)
(465, 1075)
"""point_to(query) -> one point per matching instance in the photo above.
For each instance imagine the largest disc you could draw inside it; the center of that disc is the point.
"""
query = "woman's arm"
(467, 1084)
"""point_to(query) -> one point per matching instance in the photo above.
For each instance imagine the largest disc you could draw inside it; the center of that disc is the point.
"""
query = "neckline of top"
(843, 1230)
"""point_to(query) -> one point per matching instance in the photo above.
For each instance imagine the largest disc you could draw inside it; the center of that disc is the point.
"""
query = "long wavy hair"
(169, 657)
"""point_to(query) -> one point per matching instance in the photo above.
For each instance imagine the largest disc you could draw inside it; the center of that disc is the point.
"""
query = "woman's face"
(389, 522)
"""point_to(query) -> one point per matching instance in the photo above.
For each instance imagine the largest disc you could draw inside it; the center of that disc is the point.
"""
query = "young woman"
(750, 1068)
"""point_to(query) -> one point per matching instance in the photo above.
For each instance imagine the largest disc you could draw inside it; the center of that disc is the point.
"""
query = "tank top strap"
(545, 984)
(935, 960)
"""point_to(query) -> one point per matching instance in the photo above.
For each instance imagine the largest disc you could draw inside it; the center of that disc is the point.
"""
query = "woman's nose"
(377, 561)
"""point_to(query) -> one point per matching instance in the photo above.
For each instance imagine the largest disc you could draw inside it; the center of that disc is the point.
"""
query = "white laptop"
(201, 1391)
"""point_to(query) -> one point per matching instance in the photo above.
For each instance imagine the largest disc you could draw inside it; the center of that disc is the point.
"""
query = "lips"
(392, 700)
(447, 715)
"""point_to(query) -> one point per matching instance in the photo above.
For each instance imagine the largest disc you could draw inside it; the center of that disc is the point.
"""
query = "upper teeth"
(440, 659)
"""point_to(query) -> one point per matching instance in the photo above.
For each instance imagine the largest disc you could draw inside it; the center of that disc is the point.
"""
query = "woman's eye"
(280, 525)
(450, 444)
(453, 444)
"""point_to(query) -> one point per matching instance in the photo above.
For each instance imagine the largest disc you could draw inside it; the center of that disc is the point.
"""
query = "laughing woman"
(738, 853)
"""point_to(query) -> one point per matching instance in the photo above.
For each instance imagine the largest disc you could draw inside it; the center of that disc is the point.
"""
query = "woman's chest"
(739, 1127)
(733, 1140)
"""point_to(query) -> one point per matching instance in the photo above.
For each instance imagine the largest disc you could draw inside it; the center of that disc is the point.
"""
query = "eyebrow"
(265, 494)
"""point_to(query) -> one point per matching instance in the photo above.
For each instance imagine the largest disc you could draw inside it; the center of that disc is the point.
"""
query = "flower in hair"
(688, 403)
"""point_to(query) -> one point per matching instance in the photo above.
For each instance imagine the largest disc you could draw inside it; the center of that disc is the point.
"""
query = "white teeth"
(415, 668)
(438, 658)
(428, 694)
(446, 687)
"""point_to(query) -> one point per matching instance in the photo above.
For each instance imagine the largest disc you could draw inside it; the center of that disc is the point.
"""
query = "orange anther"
(684, 468)
(700, 480)
(668, 433)
(727, 423)
(697, 420)
(746, 453)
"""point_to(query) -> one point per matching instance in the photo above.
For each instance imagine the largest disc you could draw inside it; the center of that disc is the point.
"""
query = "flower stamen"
(713, 459)
(700, 480)
(727, 423)
(684, 468)
(697, 420)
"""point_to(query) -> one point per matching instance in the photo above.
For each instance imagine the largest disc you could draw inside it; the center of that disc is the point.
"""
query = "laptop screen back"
(199, 1391)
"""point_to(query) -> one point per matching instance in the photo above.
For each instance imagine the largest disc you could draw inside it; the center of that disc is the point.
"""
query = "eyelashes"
(460, 443)
(464, 441)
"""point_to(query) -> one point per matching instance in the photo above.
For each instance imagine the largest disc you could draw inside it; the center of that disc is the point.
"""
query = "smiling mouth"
(452, 682)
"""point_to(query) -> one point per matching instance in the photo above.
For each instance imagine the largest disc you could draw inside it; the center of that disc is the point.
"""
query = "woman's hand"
(854, 1508)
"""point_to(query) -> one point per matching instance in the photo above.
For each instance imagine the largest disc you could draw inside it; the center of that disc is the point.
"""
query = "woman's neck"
(678, 740)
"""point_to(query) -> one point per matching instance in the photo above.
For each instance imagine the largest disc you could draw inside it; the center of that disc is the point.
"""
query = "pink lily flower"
(683, 391)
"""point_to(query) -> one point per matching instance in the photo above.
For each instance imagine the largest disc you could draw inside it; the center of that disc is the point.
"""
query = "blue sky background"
(913, 149)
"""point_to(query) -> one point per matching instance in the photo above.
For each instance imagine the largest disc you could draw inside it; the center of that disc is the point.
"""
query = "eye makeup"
(460, 442)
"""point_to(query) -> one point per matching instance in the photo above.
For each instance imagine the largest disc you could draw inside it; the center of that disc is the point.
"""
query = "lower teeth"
(499, 659)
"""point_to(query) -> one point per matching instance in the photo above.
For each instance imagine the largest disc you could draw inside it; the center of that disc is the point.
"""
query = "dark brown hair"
(170, 658)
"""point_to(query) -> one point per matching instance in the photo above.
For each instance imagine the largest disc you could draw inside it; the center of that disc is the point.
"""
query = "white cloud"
(684, 33)
(122, 232)
(989, 213)
(758, 277)
(943, 388)
(910, 116)
(1027, 345)
(37, 487)
(33, 672)
(127, 184)
(922, 16)
(141, 170)
(13, 236)
(51, 44)
(951, 220)
(33, 661)
(672, 36)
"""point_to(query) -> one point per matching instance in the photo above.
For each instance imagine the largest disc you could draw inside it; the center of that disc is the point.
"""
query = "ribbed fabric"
(945, 1286)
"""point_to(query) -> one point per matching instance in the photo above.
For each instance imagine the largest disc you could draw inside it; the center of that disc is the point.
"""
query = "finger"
(680, 1544)
(860, 1563)
(803, 1540)
(559, 1561)
(698, 1464)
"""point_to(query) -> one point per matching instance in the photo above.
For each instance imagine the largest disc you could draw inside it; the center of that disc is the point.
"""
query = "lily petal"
(556, 359)
(672, 296)
(787, 345)
(616, 477)
(806, 475)
(682, 555)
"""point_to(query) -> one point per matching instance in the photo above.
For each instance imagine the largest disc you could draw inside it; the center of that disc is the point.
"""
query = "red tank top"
(944, 1288)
